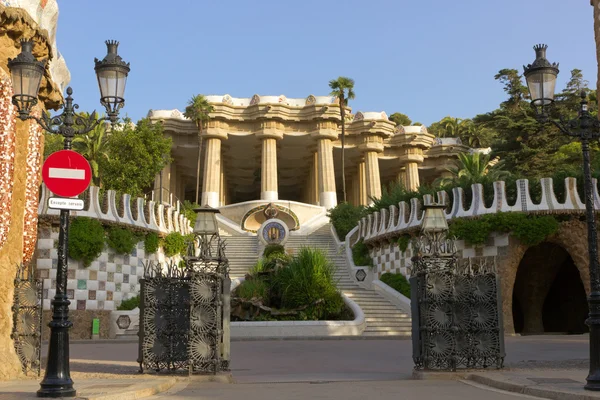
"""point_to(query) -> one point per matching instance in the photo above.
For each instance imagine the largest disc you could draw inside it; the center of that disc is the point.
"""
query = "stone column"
(402, 177)
(268, 181)
(326, 173)
(412, 176)
(362, 176)
(173, 183)
(372, 175)
(222, 187)
(212, 172)
(315, 181)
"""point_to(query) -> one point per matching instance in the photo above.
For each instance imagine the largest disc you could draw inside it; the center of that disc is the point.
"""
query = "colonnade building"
(273, 149)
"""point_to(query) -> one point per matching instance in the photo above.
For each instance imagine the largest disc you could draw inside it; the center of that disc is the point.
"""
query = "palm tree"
(343, 89)
(93, 147)
(475, 168)
(198, 110)
(452, 126)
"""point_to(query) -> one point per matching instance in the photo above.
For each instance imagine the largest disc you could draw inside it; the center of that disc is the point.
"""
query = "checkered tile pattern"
(389, 258)
(102, 286)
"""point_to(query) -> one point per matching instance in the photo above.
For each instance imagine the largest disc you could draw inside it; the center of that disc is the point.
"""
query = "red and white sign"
(66, 173)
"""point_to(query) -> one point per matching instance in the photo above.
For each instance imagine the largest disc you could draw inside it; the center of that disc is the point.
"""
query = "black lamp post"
(541, 80)
(26, 73)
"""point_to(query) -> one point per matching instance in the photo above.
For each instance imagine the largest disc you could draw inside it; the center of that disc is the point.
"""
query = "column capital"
(269, 134)
(372, 146)
(411, 155)
(216, 133)
(324, 134)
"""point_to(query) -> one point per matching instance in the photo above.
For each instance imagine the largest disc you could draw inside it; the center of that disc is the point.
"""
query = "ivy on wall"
(87, 237)
(529, 229)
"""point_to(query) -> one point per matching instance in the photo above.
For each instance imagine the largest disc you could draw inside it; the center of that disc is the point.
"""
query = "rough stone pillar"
(212, 172)
(11, 250)
(268, 181)
(355, 193)
(362, 172)
(412, 176)
(326, 173)
(372, 175)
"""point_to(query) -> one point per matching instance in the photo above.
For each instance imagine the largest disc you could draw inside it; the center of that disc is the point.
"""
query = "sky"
(424, 58)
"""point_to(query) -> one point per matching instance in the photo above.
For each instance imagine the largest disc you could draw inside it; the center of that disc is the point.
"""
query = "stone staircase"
(382, 317)
(242, 254)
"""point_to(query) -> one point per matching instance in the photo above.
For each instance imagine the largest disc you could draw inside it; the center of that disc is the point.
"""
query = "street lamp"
(206, 228)
(433, 240)
(541, 80)
(26, 73)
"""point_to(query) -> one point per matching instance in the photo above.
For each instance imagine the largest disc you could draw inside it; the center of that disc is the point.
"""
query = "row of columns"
(364, 185)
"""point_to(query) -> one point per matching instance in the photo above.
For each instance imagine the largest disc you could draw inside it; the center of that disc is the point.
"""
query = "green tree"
(343, 89)
(93, 146)
(52, 143)
(137, 154)
(513, 86)
(400, 119)
(198, 110)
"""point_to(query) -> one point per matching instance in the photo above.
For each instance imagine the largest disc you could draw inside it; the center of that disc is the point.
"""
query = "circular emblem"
(273, 232)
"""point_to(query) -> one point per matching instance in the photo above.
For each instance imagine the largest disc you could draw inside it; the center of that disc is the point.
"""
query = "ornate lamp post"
(206, 229)
(26, 73)
(541, 80)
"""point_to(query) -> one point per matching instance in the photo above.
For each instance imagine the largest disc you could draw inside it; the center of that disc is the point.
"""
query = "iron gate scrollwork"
(456, 310)
(184, 315)
(27, 318)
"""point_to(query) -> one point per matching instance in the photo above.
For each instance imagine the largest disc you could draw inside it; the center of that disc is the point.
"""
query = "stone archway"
(548, 293)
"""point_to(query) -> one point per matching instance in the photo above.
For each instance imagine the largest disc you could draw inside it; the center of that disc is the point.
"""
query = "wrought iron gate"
(27, 318)
(456, 314)
(184, 316)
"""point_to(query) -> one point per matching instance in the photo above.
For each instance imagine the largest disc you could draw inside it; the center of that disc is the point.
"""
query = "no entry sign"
(66, 173)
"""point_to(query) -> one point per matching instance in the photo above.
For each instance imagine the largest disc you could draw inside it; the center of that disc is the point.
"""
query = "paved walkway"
(552, 366)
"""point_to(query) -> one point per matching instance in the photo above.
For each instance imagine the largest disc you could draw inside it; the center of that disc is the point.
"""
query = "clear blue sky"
(424, 58)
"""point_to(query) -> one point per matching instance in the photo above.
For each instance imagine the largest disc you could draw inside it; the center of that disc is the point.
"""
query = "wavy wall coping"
(135, 212)
(389, 222)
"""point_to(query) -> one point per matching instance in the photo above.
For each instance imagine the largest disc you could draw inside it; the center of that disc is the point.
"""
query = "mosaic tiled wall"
(102, 286)
(388, 258)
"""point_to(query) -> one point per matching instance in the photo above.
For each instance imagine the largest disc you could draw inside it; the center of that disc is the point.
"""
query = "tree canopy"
(527, 148)
(136, 155)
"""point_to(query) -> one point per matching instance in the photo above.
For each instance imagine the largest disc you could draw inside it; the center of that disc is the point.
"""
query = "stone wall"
(102, 286)
(381, 229)
(20, 151)
(82, 324)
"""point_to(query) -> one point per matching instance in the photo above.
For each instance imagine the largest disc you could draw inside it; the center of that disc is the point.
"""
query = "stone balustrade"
(390, 222)
(137, 212)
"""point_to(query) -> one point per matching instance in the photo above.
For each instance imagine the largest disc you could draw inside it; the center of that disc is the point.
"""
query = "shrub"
(253, 288)
(273, 248)
(344, 217)
(151, 243)
(129, 304)
(86, 239)
(306, 279)
(397, 282)
(174, 243)
(122, 240)
(360, 254)
(529, 229)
